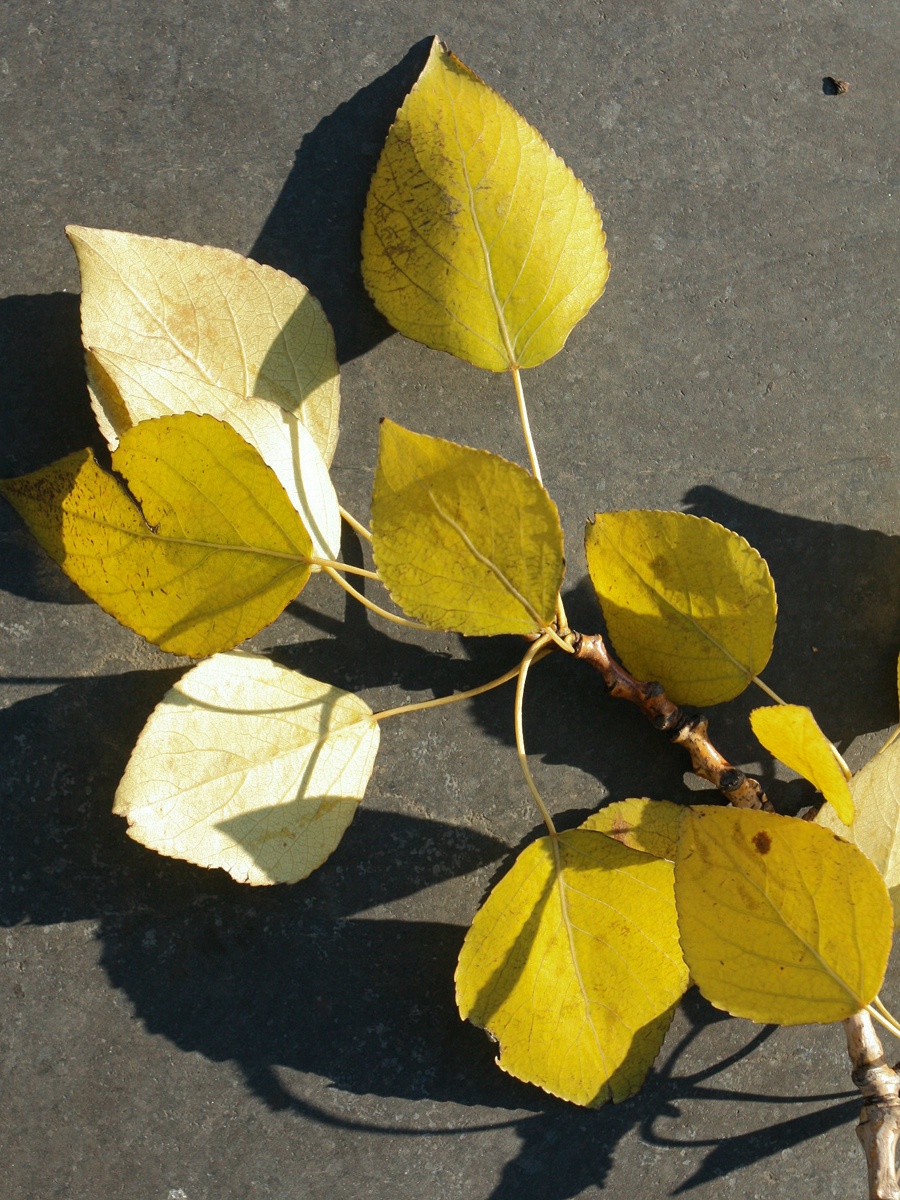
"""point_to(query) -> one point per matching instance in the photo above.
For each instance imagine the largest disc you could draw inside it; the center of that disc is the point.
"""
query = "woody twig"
(692, 732)
(879, 1123)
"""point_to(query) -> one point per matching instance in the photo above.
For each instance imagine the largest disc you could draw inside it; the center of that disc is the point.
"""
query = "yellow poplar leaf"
(282, 440)
(463, 539)
(876, 822)
(790, 732)
(651, 826)
(250, 767)
(781, 921)
(686, 601)
(477, 239)
(203, 550)
(210, 314)
(573, 965)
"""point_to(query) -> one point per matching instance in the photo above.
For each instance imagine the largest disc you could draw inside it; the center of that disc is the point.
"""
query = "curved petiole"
(765, 688)
(541, 645)
(439, 701)
(880, 1013)
(324, 563)
(354, 524)
(366, 603)
(526, 426)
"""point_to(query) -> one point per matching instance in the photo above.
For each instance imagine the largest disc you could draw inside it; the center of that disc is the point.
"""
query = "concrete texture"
(168, 1035)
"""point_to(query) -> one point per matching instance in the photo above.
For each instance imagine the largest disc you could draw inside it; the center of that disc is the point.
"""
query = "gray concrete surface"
(167, 1035)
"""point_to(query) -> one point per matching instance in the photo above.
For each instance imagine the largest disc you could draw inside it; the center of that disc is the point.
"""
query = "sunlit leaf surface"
(781, 921)
(687, 602)
(463, 539)
(477, 239)
(790, 732)
(201, 551)
(250, 767)
(573, 965)
(210, 315)
(876, 824)
(651, 826)
(282, 440)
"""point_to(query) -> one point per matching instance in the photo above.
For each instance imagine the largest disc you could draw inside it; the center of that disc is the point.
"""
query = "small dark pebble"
(835, 87)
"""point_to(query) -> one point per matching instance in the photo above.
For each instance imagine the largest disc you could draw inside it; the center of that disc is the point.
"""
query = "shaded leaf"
(282, 440)
(463, 539)
(250, 767)
(210, 314)
(780, 920)
(477, 239)
(573, 964)
(651, 826)
(876, 823)
(687, 602)
(201, 551)
(790, 732)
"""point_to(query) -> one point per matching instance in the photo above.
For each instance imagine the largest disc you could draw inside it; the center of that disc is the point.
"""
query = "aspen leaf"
(283, 441)
(250, 767)
(209, 314)
(790, 732)
(651, 826)
(463, 539)
(876, 823)
(686, 601)
(477, 239)
(203, 550)
(573, 965)
(781, 921)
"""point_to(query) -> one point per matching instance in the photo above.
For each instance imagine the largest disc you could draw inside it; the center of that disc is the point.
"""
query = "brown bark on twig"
(879, 1123)
(690, 732)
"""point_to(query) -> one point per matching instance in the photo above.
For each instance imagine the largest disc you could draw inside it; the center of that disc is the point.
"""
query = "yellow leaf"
(651, 826)
(282, 440)
(463, 539)
(790, 732)
(573, 965)
(477, 239)
(202, 551)
(876, 823)
(210, 314)
(686, 601)
(250, 767)
(780, 920)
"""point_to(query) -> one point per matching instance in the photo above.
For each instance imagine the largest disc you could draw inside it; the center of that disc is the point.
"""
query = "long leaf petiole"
(366, 603)
(526, 662)
(457, 696)
(354, 524)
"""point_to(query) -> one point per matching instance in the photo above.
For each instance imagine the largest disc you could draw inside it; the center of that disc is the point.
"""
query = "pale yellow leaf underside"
(283, 441)
(780, 920)
(207, 313)
(573, 964)
(790, 732)
(876, 825)
(463, 539)
(686, 601)
(477, 239)
(651, 826)
(250, 767)
(201, 552)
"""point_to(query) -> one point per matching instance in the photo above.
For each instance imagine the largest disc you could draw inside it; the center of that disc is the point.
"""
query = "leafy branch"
(215, 383)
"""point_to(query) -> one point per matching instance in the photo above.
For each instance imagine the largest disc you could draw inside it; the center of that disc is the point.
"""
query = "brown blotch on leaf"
(762, 842)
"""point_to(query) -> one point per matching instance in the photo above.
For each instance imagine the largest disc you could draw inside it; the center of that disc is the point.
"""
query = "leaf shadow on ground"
(46, 414)
(313, 230)
(277, 980)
